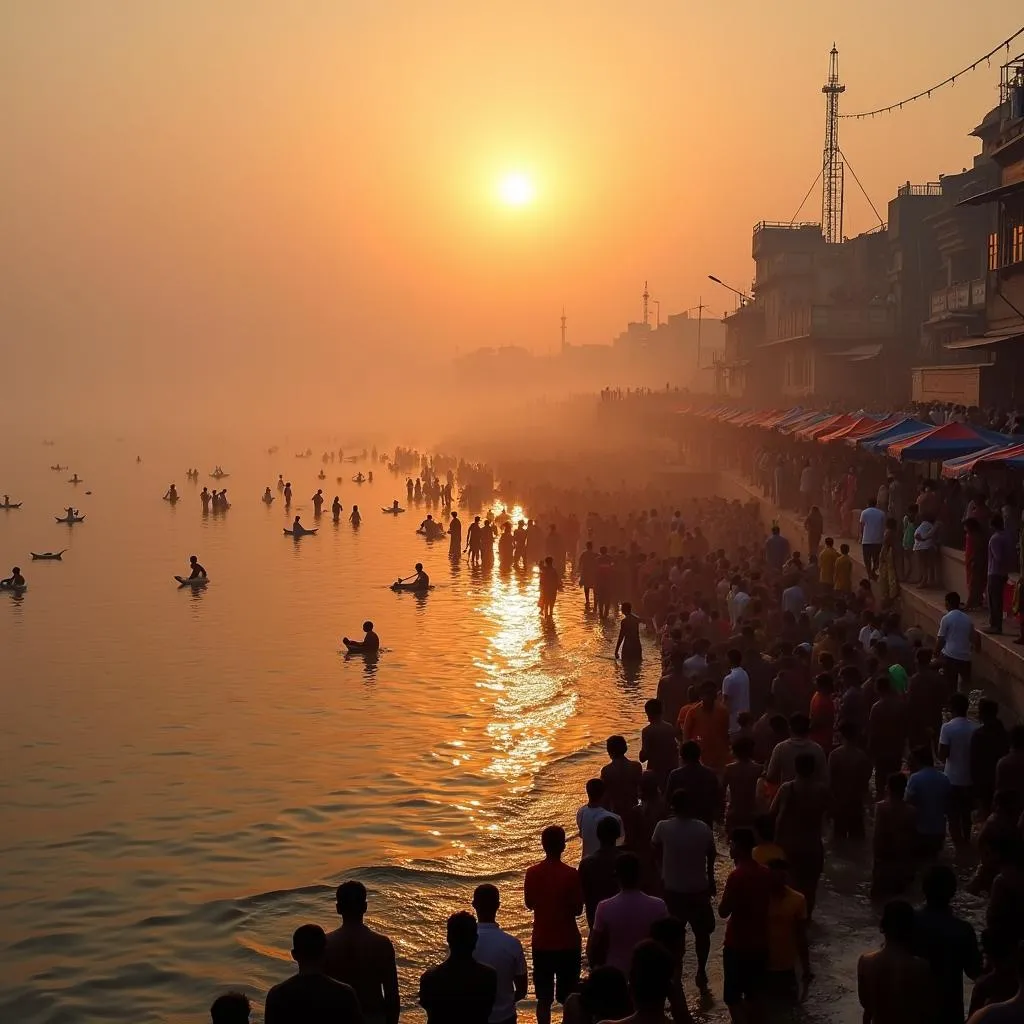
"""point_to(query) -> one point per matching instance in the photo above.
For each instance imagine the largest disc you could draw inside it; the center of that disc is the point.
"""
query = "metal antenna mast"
(563, 328)
(646, 296)
(832, 161)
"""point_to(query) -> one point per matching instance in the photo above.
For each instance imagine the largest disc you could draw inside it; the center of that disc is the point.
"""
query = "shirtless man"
(370, 644)
(849, 771)
(363, 959)
(799, 808)
(196, 571)
(893, 841)
(587, 569)
(628, 646)
(473, 541)
(658, 745)
(893, 985)
(739, 784)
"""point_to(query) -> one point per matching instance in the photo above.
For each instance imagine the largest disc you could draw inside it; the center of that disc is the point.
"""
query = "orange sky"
(227, 184)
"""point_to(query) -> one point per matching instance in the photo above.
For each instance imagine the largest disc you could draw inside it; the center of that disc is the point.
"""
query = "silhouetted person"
(311, 997)
(230, 1008)
(363, 958)
(461, 990)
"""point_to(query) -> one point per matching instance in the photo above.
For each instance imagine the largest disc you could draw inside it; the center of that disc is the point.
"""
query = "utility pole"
(657, 313)
(832, 162)
(646, 297)
(563, 330)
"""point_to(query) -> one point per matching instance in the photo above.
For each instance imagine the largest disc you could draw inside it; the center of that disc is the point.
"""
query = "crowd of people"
(794, 716)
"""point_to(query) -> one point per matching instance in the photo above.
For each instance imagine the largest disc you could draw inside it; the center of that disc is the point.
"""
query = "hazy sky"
(254, 193)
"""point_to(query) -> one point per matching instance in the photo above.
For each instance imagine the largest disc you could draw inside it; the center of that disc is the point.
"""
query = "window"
(1017, 255)
(993, 251)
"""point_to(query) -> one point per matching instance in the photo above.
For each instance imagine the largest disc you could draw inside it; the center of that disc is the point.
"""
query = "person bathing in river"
(171, 495)
(318, 502)
(196, 571)
(370, 644)
(550, 582)
(420, 581)
(287, 495)
(267, 496)
(355, 518)
(13, 582)
(336, 509)
(628, 645)
(280, 483)
(455, 536)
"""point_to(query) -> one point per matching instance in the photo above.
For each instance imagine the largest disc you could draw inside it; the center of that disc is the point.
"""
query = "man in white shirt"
(736, 690)
(872, 533)
(955, 750)
(501, 951)
(955, 643)
(738, 601)
(590, 814)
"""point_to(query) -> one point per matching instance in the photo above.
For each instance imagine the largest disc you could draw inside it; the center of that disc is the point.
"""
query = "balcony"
(965, 296)
(838, 323)
(931, 188)
(782, 237)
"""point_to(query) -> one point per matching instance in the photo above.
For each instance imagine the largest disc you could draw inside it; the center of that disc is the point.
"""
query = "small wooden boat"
(10, 504)
(70, 520)
(76, 479)
(48, 556)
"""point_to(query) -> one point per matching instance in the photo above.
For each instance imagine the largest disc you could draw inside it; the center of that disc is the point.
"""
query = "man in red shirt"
(554, 893)
(745, 901)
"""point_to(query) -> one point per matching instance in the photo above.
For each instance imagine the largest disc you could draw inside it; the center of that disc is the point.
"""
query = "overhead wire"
(926, 93)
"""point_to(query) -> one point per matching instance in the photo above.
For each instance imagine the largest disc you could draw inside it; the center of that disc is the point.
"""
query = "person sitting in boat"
(72, 513)
(370, 644)
(13, 582)
(421, 581)
(172, 493)
(267, 496)
(197, 571)
(7, 499)
(395, 507)
(297, 526)
(355, 519)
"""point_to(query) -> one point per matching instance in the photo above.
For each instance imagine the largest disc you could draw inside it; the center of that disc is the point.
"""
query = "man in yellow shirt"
(787, 939)
(844, 571)
(827, 563)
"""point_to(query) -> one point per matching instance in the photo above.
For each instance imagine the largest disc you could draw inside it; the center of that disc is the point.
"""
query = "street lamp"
(743, 295)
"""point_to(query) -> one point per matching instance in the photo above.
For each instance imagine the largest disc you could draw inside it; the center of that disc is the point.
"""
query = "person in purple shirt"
(1000, 562)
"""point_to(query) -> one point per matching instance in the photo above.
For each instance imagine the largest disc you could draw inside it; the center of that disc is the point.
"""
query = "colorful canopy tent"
(793, 426)
(825, 426)
(881, 439)
(939, 444)
(860, 427)
(994, 456)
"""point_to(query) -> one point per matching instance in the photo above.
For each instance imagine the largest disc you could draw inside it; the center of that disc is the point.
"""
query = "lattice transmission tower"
(832, 161)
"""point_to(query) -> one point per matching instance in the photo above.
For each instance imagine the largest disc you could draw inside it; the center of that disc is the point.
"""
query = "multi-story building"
(827, 318)
(994, 374)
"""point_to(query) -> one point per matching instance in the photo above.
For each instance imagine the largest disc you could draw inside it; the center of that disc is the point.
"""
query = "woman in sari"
(888, 580)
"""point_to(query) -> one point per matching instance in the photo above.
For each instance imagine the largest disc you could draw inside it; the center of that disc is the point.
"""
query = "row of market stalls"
(961, 448)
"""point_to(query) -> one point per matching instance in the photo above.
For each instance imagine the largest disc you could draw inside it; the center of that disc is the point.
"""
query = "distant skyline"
(222, 186)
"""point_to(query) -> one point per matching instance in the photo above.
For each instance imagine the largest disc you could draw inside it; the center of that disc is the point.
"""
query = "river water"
(187, 776)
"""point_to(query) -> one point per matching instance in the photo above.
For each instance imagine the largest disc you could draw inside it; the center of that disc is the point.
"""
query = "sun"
(516, 189)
